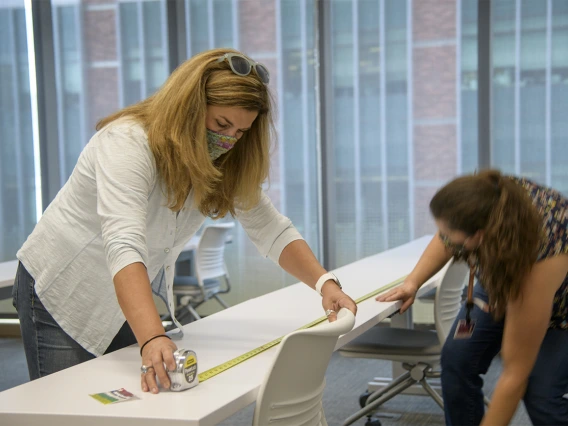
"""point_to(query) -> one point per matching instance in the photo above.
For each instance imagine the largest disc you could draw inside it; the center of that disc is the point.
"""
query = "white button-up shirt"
(113, 212)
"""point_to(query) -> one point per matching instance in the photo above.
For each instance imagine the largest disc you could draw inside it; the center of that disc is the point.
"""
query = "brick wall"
(434, 152)
(98, 2)
(102, 95)
(434, 79)
(101, 60)
(257, 25)
(434, 19)
(434, 103)
(99, 35)
(423, 222)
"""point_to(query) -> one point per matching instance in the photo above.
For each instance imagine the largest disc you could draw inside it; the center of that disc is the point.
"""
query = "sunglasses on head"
(242, 65)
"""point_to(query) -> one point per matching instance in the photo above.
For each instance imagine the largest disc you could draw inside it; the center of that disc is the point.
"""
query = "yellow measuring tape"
(212, 372)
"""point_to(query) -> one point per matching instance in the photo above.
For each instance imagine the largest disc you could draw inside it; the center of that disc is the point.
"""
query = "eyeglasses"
(456, 249)
(242, 65)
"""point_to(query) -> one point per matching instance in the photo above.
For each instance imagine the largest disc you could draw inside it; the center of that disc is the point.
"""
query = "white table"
(62, 399)
(8, 269)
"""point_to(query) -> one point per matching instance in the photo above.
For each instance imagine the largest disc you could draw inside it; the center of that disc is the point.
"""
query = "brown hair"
(174, 120)
(500, 207)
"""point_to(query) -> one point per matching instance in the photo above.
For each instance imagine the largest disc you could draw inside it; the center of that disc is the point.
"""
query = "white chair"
(419, 351)
(209, 261)
(292, 391)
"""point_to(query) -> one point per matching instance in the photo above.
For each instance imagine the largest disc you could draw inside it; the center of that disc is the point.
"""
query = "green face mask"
(219, 144)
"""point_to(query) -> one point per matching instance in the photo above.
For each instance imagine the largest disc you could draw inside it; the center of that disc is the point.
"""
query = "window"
(530, 84)
(404, 85)
(467, 58)
(17, 165)
(558, 89)
(143, 49)
(286, 47)
(107, 55)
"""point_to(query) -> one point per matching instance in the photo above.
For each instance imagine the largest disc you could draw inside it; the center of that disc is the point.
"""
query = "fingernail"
(155, 390)
(167, 384)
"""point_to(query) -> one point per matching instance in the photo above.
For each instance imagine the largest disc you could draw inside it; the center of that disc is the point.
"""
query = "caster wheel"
(363, 398)
(373, 422)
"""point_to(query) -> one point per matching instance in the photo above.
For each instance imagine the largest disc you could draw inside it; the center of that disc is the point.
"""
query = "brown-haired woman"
(142, 187)
(514, 234)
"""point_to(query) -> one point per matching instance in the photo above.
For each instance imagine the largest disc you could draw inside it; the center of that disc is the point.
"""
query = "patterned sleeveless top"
(553, 207)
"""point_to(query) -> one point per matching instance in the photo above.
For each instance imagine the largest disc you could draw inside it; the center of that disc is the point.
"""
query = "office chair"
(292, 390)
(419, 351)
(209, 260)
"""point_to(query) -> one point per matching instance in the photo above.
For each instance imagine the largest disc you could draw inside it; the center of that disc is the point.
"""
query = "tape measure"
(212, 372)
(184, 376)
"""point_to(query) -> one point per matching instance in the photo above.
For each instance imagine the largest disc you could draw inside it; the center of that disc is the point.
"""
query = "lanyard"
(473, 301)
(470, 302)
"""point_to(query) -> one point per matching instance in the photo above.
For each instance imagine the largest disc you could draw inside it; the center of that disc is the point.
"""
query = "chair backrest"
(292, 390)
(210, 253)
(449, 297)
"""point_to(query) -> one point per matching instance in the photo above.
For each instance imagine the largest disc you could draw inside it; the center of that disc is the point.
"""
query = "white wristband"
(326, 277)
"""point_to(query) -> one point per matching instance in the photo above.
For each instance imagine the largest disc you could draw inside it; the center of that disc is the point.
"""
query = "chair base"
(190, 295)
(416, 374)
(379, 383)
(188, 307)
(375, 419)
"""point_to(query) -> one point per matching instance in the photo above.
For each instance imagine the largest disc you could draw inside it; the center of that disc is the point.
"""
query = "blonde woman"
(142, 187)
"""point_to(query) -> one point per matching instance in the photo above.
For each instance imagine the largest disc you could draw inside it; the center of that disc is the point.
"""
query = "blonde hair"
(174, 119)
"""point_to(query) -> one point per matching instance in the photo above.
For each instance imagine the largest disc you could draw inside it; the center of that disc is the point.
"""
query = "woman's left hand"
(334, 299)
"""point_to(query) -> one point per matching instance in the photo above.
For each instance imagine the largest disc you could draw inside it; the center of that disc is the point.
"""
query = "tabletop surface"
(63, 398)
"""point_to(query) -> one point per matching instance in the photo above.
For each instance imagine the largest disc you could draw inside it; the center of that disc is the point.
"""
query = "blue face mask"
(219, 144)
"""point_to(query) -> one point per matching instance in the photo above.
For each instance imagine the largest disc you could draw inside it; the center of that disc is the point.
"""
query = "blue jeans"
(464, 360)
(48, 348)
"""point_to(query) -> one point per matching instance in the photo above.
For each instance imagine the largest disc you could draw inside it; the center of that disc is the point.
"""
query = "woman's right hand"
(156, 353)
(405, 292)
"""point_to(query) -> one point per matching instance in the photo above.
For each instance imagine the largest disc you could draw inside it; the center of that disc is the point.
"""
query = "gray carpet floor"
(346, 379)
